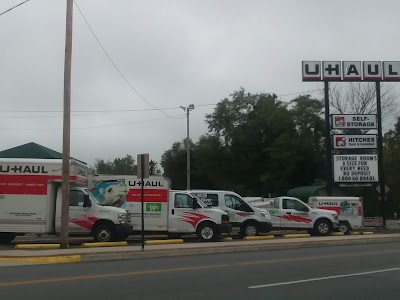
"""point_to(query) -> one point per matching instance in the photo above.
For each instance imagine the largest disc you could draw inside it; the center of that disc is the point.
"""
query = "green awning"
(304, 192)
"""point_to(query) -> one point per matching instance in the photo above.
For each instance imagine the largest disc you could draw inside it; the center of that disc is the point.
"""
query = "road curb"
(258, 238)
(44, 259)
(232, 249)
(249, 246)
(164, 242)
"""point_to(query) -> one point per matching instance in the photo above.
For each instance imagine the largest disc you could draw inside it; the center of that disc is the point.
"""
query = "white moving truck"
(249, 220)
(175, 213)
(292, 213)
(349, 209)
(30, 202)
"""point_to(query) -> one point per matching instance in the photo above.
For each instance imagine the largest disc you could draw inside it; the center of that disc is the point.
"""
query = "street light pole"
(187, 110)
(66, 128)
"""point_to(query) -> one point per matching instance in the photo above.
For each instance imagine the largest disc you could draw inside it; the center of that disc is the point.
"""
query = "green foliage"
(122, 166)
(256, 145)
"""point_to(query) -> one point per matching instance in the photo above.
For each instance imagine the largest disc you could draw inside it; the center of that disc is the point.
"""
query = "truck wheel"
(322, 227)
(104, 233)
(6, 238)
(249, 229)
(207, 232)
(344, 227)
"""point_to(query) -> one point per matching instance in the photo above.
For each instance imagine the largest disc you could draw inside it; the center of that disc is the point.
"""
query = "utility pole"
(187, 110)
(66, 128)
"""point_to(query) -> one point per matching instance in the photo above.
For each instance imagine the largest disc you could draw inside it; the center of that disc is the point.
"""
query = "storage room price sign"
(355, 168)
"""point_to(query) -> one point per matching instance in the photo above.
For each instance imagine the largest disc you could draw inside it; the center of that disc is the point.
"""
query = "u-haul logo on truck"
(148, 183)
(23, 169)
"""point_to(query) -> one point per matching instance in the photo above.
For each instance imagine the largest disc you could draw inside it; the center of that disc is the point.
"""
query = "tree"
(360, 98)
(173, 161)
(392, 164)
(122, 166)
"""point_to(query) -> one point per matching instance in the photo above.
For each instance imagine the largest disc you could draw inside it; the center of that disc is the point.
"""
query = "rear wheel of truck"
(6, 238)
(207, 232)
(344, 227)
(249, 229)
(322, 227)
(104, 233)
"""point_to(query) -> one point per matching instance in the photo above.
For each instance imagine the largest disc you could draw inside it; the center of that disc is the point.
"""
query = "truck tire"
(6, 238)
(322, 227)
(207, 232)
(249, 229)
(344, 227)
(104, 233)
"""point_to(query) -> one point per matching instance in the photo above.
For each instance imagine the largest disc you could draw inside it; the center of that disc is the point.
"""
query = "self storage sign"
(355, 168)
(353, 121)
(347, 141)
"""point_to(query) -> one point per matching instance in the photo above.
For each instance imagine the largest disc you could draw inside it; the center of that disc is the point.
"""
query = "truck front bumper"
(224, 228)
(265, 226)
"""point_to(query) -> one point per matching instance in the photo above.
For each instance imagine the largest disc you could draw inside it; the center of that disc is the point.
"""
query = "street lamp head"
(184, 108)
(191, 106)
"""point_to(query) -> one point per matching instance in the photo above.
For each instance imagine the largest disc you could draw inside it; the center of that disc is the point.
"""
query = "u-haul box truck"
(349, 209)
(30, 202)
(165, 211)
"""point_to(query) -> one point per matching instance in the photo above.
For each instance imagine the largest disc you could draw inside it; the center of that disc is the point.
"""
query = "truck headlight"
(265, 214)
(123, 218)
(335, 217)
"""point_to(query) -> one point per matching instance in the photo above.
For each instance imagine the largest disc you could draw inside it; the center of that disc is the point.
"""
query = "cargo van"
(248, 219)
(166, 211)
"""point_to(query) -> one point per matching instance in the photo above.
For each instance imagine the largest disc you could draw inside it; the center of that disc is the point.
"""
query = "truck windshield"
(93, 197)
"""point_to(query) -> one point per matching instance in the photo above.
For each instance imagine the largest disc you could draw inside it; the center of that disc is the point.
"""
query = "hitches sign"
(352, 141)
(355, 168)
(354, 121)
(351, 71)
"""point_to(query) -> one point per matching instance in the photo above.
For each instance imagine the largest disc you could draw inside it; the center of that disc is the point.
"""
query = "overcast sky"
(173, 53)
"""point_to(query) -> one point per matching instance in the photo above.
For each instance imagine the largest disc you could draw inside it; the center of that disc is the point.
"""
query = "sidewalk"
(135, 252)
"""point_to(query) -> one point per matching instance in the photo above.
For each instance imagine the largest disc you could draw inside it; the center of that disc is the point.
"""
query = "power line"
(114, 64)
(4, 12)
(300, 93)
(90, 111)
(131, 110)
(180, 116)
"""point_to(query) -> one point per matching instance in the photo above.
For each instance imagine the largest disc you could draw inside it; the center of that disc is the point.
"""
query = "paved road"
(343, 272)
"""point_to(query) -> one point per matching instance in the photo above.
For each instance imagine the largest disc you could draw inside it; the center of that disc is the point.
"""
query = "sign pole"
(142, 196)
(328, 145)
(142, 172)
(381, 173)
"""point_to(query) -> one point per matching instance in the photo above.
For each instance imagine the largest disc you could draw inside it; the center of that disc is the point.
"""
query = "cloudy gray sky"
(173, 53)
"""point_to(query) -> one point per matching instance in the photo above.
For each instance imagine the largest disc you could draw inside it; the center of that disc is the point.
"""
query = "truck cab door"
(295, 214)
(182, 216)
(237, 210)
(81, 218)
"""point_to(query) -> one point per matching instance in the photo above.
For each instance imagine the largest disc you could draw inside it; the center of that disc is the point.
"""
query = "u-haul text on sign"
(355, 168)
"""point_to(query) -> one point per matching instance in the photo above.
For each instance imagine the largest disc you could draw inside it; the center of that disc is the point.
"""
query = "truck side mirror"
(86, 201)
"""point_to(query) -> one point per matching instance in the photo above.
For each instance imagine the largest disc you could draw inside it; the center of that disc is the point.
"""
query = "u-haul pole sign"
(355, 168)
(353, 121)
(353, 141)
(351, 71)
